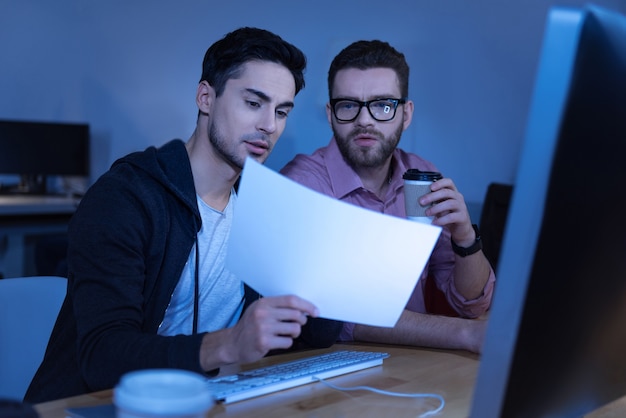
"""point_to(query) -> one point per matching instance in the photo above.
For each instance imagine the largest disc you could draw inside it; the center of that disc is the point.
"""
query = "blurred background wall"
(130, 69)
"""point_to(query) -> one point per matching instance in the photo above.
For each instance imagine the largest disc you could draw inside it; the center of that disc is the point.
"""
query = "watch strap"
(472, 249)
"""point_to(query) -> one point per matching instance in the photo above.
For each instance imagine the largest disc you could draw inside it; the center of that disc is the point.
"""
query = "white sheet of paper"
(354, 264)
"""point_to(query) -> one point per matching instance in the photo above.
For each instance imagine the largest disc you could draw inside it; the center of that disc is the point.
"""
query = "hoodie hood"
(169, 166)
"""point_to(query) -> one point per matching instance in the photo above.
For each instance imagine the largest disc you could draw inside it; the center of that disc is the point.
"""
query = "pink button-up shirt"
(327, 172)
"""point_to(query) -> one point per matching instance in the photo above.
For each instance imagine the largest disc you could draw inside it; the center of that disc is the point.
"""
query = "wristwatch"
(474, 248)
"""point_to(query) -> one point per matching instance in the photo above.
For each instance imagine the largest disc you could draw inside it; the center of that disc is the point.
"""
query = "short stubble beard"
(220, 145)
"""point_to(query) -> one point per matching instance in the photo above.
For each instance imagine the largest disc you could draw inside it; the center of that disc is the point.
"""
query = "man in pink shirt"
(368, 111)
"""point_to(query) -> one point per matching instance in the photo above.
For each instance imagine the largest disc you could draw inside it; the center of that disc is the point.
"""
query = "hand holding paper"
(354, 264)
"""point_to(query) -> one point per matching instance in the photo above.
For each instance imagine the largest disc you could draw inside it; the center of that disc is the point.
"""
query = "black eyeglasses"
(382, 110)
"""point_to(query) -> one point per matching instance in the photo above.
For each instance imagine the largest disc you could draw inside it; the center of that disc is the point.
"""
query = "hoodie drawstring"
(196, 290)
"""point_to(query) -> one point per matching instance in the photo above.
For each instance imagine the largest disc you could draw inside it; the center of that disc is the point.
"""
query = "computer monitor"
(556, 339)
(35, 150)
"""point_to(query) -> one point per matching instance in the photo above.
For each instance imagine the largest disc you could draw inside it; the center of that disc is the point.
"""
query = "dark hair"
(364, 55)
(224, 59)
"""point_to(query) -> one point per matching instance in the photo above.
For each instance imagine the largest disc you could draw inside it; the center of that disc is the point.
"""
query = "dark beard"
(367, 157)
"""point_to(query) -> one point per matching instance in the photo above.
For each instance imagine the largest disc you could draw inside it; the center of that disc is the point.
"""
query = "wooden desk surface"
(450, 374)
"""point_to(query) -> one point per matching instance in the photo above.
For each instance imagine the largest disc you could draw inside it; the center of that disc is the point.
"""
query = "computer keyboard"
(248, 384)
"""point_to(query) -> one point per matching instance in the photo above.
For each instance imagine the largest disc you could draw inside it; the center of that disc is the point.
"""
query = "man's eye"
(253, 104)
(282, 113)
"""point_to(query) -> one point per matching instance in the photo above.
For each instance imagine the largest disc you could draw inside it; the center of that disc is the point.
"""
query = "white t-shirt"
(221, 293)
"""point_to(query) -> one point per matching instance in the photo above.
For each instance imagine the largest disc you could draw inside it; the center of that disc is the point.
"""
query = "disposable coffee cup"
(162, 393)
(417, 184)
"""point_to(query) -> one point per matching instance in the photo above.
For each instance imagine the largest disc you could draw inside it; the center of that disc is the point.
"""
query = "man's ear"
(205, 95)
(329, 114)
(408, 114)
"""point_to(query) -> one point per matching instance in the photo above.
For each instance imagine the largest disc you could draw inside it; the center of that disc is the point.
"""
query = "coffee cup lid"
(163, 392)
(416, 174)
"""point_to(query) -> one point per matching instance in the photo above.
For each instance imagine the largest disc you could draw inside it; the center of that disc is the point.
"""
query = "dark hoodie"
(128, 243)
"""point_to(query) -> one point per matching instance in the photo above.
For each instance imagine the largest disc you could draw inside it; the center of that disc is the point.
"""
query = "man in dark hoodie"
(147, 282)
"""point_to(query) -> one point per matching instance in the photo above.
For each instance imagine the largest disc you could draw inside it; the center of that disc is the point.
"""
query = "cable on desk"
(398, 394)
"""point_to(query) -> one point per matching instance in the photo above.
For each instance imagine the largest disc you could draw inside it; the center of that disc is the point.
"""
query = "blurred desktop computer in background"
(32, 153)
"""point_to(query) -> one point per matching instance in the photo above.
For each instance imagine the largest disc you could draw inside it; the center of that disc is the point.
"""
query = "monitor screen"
(33, 148)
(33, 151)
(556, 339)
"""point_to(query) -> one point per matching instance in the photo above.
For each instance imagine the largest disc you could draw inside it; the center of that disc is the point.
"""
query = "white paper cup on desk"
(163, 393)
(417, 184)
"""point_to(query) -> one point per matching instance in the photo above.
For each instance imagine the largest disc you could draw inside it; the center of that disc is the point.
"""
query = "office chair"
(492, 223)
(493, 220)
(28, 310)
(435, 300)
